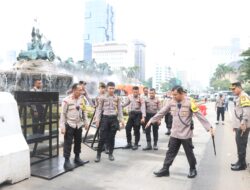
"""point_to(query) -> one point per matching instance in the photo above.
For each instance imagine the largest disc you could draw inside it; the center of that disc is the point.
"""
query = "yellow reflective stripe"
(83, 106)
(194, 106)
(244, 101)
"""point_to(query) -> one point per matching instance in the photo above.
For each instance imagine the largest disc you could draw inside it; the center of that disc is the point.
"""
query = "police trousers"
(155, 127)
(134, 121)
(70, 134)
(220, 111)
(108, 128)
(241, 142)
(173, 148)
(168, 120)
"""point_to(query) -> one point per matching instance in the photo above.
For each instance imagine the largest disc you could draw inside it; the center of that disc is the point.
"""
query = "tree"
(222, 70)
(148, 83)
(173, 82)
(220, 84)
(245, 67)
(131, 72)
(165, 87)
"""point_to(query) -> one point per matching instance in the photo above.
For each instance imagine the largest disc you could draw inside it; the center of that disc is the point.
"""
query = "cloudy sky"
(179, 33)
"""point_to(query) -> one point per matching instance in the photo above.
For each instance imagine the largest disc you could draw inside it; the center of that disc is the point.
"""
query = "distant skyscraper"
(118, 55)
(140, 59)
(162, 74)
(115, 54)
(99, 24)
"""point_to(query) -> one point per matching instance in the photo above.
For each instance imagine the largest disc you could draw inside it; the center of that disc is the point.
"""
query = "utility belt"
(110, 116)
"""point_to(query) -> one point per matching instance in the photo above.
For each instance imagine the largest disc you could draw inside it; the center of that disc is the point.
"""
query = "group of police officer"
(146, 111)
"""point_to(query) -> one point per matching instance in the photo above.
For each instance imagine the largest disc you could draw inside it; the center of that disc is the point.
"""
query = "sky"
(179, 33)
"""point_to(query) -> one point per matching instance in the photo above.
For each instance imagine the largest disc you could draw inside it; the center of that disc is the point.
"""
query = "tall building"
(140, 59)
(115, 54)
(162, 74)
(119, 55)
(99, 24)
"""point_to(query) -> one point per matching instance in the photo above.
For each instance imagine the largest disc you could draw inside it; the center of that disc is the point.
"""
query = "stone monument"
(35, 63)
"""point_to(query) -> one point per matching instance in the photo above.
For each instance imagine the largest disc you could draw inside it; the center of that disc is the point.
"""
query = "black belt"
(135, 112)
(109, 116)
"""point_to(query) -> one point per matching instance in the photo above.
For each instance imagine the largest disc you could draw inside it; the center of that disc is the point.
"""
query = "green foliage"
(148, 83)
(245, 67)
(222, 70)
(173, 82)
(220, 84)
(86, 67)
(165, 87)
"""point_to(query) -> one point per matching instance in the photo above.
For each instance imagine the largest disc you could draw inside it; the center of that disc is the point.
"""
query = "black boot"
(155, 146)
(111, 157)
(234, 164)
(148, 147)
(67, 165)
(135, 147)
(79, 161)
(98, 157)
(162, 172)
(239, 166)
(192, 173)
(128, 146)
(168, 132)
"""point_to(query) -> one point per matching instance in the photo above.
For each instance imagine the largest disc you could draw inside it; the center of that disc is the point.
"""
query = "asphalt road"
(133, 170)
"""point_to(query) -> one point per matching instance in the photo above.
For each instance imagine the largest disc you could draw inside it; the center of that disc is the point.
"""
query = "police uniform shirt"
(220, 102)
(152, 105)
(242, 110)
(136, 104)
(181, 126)
(72, 113)
(110, 106)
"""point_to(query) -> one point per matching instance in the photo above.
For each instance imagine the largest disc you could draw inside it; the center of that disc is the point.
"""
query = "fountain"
(35, 63)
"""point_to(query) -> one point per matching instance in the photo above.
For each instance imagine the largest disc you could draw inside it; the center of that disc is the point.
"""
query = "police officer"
(38, 110)
(145, 97)
(241, 125)
(168, 116)
(182, 110)
(102, 91)
(71, 123)
(108, 116)
(220, 108)
(153, 105)
(137, 116)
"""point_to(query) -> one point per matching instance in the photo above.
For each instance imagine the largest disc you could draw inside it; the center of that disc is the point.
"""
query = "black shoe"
(98, 158)
(80, 162)
(67, 165)
(234, 164)
(239, 167)
(128, 146)
(155, 147)
(162, 172)
(192, 173)
(135, 147)
(168, 132)
(111, 157)
(148, 147)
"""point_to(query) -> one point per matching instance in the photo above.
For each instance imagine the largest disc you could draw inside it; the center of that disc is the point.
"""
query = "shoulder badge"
(194, 106)
(244, 101)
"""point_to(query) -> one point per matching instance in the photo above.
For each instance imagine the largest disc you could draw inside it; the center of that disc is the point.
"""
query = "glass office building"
(99, 25)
